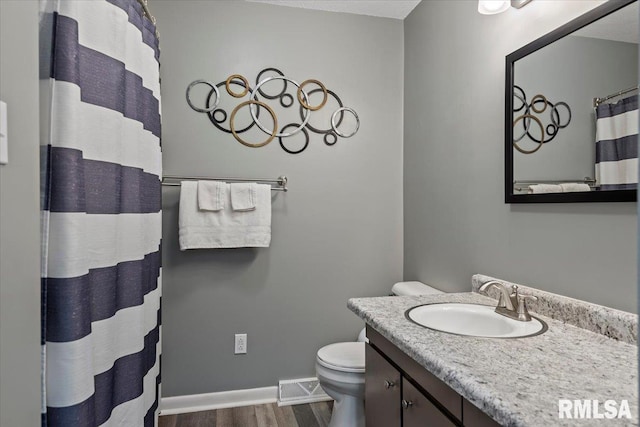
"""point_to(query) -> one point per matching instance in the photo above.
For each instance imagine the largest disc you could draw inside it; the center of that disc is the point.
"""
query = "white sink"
(473, 320)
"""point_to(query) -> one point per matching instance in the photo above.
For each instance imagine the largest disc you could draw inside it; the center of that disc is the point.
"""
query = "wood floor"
(269, 415)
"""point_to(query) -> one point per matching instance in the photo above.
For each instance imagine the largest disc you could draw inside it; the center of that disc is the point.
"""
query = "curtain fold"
(617, 145)
(101, 218)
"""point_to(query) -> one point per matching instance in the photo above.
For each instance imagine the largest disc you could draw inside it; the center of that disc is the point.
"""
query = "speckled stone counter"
(518, 382)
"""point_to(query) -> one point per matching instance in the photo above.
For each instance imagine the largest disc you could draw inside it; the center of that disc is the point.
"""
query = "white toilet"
(340, 368)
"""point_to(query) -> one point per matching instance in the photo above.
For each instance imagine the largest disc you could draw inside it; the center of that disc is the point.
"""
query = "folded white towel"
(572, 187)
(211, 195)
(243, 196)
(544, 188)
(224, 228)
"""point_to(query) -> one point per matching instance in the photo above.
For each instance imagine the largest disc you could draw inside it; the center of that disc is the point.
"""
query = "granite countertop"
(518, 382)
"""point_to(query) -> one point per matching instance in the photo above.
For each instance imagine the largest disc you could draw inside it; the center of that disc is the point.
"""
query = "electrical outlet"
(241, 344)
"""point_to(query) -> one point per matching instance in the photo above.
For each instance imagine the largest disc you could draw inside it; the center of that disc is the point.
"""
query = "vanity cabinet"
(382, 391)
(401, 393)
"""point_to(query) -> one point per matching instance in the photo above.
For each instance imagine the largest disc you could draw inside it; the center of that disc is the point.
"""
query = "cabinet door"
(474, 417)
(382, 391)
(418, 411)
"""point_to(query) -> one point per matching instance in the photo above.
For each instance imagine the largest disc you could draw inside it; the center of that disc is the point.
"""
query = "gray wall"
(456, 222)
(573, 70)
(19, 219)
(336, 234)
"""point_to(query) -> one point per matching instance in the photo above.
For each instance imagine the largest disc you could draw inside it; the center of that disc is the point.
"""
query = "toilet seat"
(343, 357)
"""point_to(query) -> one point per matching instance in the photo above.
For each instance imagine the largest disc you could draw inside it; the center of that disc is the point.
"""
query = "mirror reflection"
(575, 110)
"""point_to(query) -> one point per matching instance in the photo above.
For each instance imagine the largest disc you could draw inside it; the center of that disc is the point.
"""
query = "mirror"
(571, 111)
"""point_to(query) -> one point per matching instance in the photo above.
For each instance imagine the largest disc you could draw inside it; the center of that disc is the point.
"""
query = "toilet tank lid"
(413, 288)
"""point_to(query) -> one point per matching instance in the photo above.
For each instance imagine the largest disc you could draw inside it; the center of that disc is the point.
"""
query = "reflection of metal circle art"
(335, 126)
(324, 94)
(284, 82)
(306, 142)
(255, 118)
(522, 97)
(218, 116)
(289, 103)
(330, 134)
(213, 89)
(548, 133)
(532, 106)
(240, 77)
(262, 104)
(554, 113)
(218, 124)
(535, 100)
(313, 129)
(535, 119)
(525, 124)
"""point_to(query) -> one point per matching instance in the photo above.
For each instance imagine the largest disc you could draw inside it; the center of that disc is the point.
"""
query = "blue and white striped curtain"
(617, 145)
(101, 219)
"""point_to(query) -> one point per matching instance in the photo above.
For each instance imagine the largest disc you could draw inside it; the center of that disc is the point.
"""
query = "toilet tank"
(405, 289)
(413, 288)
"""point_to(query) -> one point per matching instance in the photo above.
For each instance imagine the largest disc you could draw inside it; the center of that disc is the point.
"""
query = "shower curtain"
(101, 217)
(617, 145)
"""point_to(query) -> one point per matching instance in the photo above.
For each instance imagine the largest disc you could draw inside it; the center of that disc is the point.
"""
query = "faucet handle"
(502, 289)
(523, 311)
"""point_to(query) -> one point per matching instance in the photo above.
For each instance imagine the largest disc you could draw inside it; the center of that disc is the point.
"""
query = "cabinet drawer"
(442, 393)
(382, 391)
(418, 411)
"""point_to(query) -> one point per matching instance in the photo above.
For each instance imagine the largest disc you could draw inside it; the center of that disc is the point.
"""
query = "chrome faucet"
(510, 304)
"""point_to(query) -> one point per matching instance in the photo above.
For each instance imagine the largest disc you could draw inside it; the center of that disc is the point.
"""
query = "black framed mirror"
(571, 111)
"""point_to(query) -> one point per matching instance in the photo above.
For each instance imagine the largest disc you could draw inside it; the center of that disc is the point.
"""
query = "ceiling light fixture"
(491, 7)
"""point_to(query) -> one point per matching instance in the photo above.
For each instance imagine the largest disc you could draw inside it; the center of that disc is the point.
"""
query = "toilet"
(340, 368)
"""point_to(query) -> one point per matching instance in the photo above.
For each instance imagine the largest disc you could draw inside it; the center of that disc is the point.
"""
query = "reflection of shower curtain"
(101, 219)
(617, 144)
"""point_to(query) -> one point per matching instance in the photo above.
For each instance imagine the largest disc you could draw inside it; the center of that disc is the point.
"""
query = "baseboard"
(224, 399)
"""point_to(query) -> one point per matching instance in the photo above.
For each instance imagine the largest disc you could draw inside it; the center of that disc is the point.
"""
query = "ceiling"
(397, 9)
(621, 26)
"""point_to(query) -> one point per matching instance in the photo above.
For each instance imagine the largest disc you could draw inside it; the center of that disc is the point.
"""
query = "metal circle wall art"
(533, 112)
(273, 86)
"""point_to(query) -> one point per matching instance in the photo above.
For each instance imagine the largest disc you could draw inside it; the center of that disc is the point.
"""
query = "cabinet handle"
(389, 384)
(406, 404)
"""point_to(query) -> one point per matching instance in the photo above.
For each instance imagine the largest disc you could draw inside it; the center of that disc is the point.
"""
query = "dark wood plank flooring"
(270, 415)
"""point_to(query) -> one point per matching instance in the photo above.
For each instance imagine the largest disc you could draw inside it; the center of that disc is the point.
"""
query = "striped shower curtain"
(617, 145)
(101, 218)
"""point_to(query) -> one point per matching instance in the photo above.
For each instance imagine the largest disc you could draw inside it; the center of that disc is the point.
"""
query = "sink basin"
(473, 320)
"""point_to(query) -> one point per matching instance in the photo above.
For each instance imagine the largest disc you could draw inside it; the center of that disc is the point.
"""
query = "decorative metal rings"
(302, 101)
(548, 133)
(334, 126)
(554, 112)
(239, 77)
(213, 88)
(536, 99)
(306, 141)
(295, 99)
(255, 118)
(262, 104)
(537, 120)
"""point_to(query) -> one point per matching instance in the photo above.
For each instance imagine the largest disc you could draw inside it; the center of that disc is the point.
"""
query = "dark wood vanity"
(401, 393)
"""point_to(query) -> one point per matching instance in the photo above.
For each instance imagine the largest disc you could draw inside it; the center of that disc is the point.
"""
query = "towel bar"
(280, 182)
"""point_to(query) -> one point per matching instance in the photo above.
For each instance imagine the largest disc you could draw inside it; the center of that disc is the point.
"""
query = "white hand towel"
(544, 188)
(243, 196)
(226, 228)
(211, 195)
(572, 187)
